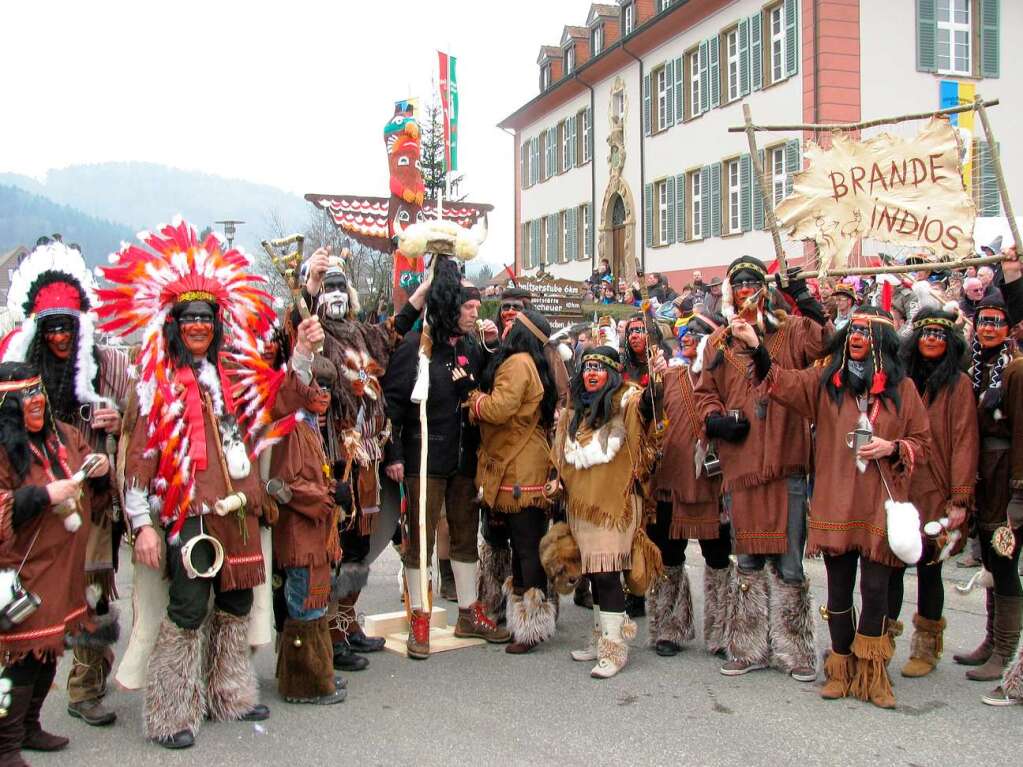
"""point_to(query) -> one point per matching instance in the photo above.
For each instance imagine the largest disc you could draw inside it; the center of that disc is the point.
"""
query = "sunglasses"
(196, 319)
(57, 330)
(35, 391)
(739, 284)
(593, 367)
(511, 307)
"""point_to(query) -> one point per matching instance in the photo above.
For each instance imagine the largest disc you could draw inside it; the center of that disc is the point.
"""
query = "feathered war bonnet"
(54, 280)
(175, 266)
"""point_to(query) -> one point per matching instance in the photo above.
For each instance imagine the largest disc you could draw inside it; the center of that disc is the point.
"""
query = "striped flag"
(449, 107)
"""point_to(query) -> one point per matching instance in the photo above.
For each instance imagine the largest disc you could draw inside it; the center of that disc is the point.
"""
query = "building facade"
(625, 153)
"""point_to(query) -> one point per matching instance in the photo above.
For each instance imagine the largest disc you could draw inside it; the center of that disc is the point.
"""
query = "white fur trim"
(209, 377)
(593, 453)
(463, 244)
(904, 531)
(701, 348)
(55, 257)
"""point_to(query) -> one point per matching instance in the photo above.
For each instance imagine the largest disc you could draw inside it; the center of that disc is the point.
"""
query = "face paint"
(467, 316)
(196, 326)
(594, 376)
(859, 341)
(933, 342)
(334, 297)
(509, 310)
(745, 284)
(270, 349)
(59, 335)
(992, 328)
(33, 408)
(690, 343)
(319, 402)
(635, 334)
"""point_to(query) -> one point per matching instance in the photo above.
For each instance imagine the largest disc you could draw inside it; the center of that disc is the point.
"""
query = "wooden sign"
(560, 301)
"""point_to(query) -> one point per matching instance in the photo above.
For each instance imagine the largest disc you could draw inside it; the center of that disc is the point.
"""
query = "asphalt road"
(481, 706)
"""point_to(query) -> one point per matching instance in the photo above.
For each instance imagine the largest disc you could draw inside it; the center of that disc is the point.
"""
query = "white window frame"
(565, 256)
(598, 39)
(629, 16)
(732, 68)
(695, 206)
(586, 231)
(584, 151)
(545, 77)
(662, 97)
(663, 5)
(948, 30)
(777, 45)
(661, 190)
(734, 196)
(619, 104)
(569, 59)
(778, 174)
(565, 138)
(694, 83)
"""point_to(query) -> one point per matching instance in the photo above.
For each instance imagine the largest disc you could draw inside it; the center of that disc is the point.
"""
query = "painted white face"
(335, 304)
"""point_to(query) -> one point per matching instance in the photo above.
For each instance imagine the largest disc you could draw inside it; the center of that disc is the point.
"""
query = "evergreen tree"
(432, 152)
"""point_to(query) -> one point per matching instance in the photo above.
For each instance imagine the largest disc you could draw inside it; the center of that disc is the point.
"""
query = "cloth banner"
(906, 191)
(449, 107)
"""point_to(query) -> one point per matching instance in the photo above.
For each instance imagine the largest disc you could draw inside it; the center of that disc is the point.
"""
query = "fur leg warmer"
(1012, 679)
(176, 690)
(748, 603)
(350, 577)
(871, 682)
(670, 607)
(305, 662)
(231, 688)
(495, 568)
(716, 584)
(793, 642)
(531, 618)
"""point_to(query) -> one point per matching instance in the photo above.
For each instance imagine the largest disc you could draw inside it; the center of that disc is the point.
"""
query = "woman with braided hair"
(871, 433)
(942, 489)
(996, 371)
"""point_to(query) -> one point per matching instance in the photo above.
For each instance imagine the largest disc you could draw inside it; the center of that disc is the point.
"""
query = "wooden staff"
(817, 127)
(288, 264)
(765, 193)
(996, 162)
(928, 266)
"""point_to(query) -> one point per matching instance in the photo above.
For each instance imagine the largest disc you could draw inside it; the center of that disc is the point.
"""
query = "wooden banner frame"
(978, 105)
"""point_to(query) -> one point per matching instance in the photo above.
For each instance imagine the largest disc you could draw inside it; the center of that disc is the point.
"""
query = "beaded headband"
(871, 318)
(933, 321)
(26, 383)
(605, 360)
(196, 295)
(747, 266)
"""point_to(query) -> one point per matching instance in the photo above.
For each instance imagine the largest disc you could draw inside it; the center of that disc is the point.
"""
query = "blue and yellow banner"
(953, 93)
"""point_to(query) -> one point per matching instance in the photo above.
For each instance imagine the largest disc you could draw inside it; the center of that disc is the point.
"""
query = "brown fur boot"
(748, 646)
(715, 607)
(871, 682)
(925, 647)
(305, 667)
(793, 645)
(531, 619)
(839, 670)
(495, 567)
(175, 692)
(231, 690)
(671, 611)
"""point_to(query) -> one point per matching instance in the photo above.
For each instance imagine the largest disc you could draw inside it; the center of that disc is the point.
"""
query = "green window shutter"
(669, 95)
(756, 51)
(791, 37)
(715, 200)
(745, 192)
(705, 201)
(758, 198)
(715, 73)
(792, 163)
(534, 243)
(704, 57)
(680, 207)
(677, 88)
(552, 151)
(552, 238)
(524, 165)
(646, 105)
(926, 32)
(648, 213)
(670, 184)
(989, 40)
(743, 34)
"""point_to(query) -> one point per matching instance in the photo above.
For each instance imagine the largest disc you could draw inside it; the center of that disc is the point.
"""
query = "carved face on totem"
(406, 170)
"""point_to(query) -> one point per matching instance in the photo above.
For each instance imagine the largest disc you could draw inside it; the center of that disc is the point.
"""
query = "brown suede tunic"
(848, 512)
(695, 498)
(951, 469)
(306, 531)
(755, 471)
(514, 457)
(1000, 467)
(55, 568)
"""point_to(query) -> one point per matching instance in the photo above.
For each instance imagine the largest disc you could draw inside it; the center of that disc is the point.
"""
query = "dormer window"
(545, 77)
(569, 59)
(598, 39)
(628, 18)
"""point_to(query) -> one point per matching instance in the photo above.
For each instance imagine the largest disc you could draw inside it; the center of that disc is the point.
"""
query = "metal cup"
(857, 438)
(711, 466)
(736, 414)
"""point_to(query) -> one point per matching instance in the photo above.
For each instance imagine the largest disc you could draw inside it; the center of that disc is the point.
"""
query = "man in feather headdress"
(193, 496)
(87, 386)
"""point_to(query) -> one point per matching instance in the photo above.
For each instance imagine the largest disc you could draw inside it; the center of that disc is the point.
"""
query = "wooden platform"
(393, 627)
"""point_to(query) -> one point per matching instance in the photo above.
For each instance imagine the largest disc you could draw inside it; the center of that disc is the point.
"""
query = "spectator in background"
(712, 299)
(658, 287)
(986, 275)
(607, 295)
(973, 292)
(845, 299)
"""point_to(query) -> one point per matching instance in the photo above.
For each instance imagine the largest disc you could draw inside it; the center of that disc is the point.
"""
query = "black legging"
(525, 529)
(29, 669)
(673, 552)
(1004, 570)
(930, 593)
(607, 591)
(874, 579)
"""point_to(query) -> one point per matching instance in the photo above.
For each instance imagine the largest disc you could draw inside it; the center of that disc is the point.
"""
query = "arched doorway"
(618, 235)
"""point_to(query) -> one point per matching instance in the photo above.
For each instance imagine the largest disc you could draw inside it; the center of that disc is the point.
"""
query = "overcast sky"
(295, 96)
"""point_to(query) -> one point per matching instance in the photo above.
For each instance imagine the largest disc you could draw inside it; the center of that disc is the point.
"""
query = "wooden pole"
(765, 192)
(996, 161)
(867, 123)
(929, 266)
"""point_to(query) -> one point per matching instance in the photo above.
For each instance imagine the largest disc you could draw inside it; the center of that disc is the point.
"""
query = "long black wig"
(176, 345)
(932, 376)
(520, 339)
(597, 408)
(13, 434)
(883, 368)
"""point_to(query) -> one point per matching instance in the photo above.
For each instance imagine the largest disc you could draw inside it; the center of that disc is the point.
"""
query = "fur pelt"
(104, 632)
(715, 606)
(175, 690)
(231, 688)
(1012, 679)
(748, 602)
(305, 662)
(904, 531)
(601, 449)
(349, 578)
(531, 617)
(560, 557)
(495, 566)
(793, 643)
(670, 608)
